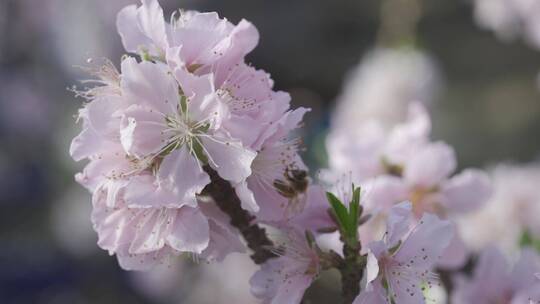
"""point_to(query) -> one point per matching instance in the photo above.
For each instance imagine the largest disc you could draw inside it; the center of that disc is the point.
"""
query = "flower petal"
(426, 242)
(145, 191)
(372, 268)
(141, 132)
(190, 231)
(99, 128)
(466, 191)
(274, 286)
(149, 84)
(272, 205)
(203, 102)
(282, 128)
(405, 291)
(360, 146)
(224, 238)
(455, 255)
(492, 271)
(246, 196)
(293, 290)
(143, 262)
(398, 222)
(143, 28)
(132, 37)
(150, 231)
(184, 174)
(430, 165)
(406, 138)
(383, 192)
(372, 294)
(526, 269)
(228, 157)
(198, 34)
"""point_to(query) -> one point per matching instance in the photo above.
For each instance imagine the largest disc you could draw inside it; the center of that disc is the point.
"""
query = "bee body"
(293, 187)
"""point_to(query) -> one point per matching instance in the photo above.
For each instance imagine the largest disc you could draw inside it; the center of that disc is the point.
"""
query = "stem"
(399, 21)
(351, 271)
(226, 199)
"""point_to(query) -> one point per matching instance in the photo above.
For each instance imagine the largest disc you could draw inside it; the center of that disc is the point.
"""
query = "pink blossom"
(366, 148)
(402, 164)
(414, 168)
(150, 128)
(163, 120)
(154, 122)
(143, 237)
(204, 44)
(193, 40)
(515, 200)
(285, 279)
(255, 113)
(250, 111)
(99, 130)
(427, 178)
(494, 281)
(256, 110)
(260, 118)
(276, 162)
(143, 28)
(405, 258)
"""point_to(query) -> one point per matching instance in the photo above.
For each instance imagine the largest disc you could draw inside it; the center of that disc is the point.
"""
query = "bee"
(293, 187)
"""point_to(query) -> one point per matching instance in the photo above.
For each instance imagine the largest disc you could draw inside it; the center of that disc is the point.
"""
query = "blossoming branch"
(191, 151)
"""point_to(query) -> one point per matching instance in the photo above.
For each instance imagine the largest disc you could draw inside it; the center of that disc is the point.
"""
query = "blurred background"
(481, 90)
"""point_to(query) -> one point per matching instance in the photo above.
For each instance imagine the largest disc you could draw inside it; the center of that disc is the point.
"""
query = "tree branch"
(351, 271)
(226, 199)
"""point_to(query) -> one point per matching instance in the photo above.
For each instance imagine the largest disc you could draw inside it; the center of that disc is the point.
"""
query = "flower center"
(184, 131)
(422, 202)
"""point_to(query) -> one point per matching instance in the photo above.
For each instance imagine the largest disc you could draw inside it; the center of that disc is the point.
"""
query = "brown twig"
(226, 199)
(351, 271)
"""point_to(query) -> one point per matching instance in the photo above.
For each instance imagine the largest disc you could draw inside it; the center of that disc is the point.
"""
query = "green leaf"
(355, 207)
(347, 218)
(341, 212)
